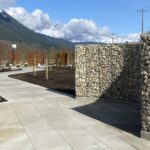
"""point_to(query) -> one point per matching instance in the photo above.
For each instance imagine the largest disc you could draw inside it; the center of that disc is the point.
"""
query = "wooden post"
(58, 61)
(72, 60)
(46, 69)
(50, 68)
(34, 65)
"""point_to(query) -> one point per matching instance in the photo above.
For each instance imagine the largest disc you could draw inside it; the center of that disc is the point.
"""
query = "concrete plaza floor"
(36, 118)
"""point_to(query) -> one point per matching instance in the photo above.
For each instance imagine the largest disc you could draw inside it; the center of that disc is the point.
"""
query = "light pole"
(142, 11)
(113, 37)
(14, 47)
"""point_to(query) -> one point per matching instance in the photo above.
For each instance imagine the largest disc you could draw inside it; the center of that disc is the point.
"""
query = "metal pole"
(142, 11)
(142, 30)
(113, 37)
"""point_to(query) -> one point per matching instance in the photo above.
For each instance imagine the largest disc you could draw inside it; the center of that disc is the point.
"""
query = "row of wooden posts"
(60, 58)
(46, 68)
(25, 54)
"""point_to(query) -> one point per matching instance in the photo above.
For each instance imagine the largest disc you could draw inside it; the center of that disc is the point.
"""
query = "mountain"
(12, 30)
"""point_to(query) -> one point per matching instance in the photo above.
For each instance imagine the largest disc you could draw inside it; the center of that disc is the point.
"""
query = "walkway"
(35, 118)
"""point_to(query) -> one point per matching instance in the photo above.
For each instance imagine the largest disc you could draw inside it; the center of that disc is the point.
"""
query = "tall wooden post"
(34, 65)
(46, 68)
(50, 68)
(58, 60)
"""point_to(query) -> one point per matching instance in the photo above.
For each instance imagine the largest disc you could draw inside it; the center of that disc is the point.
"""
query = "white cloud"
(132, 37)
(37, 20)
(75, 30)
(55, 30)
(84, 30)
(6, 3)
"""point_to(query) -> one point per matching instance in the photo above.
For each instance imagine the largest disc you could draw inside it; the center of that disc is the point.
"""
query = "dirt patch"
(60, 79)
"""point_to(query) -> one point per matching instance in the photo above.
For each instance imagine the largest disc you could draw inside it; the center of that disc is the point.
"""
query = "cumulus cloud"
(84, 30)
(37, 20)
(56, 30)
(132, 37)
(6, 3)
(76, 30)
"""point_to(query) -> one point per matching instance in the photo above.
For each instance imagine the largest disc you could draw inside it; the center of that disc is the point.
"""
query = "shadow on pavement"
(120, 115)
(2, 99)
(66, 92)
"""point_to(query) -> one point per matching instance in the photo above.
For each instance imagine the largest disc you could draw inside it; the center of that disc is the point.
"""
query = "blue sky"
(81, 20)
(120, 16)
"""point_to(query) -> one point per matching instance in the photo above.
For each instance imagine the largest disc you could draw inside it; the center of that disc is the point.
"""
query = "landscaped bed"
(4, 69)
(7, 69)
(60, 79)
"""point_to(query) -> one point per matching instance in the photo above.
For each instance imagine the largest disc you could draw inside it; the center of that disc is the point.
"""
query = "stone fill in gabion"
(145, 82)
(108, 71)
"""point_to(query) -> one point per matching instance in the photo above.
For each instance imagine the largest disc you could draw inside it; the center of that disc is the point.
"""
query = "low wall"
(109, 71)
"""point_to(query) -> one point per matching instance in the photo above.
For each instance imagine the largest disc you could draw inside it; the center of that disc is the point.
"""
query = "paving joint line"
(22, 126)
(53, 127)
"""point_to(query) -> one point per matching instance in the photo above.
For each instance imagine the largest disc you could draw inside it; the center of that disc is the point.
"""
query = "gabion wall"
(108, 71)
(145, 98)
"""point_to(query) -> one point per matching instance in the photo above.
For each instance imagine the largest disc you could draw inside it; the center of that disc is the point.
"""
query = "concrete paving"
(35, 118)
